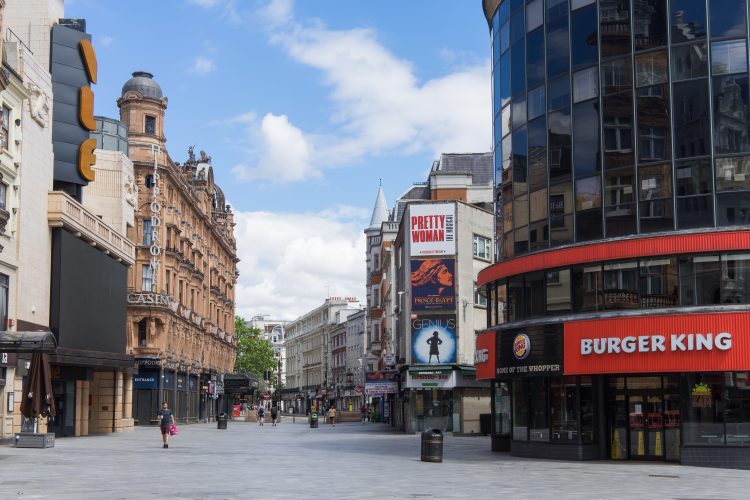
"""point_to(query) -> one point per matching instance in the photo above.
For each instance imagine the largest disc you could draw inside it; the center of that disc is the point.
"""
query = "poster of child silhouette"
(433, 340)
(433, 286)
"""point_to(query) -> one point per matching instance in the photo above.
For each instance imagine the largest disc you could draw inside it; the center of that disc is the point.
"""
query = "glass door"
(646, 425)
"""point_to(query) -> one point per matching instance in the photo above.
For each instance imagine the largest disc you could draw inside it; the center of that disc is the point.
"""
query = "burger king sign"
(521, 346)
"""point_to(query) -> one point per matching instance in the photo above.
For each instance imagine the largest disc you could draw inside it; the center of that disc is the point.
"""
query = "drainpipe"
(114, 400)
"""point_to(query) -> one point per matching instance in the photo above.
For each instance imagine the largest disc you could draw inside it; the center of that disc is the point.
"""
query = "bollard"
(432, 445)
(221, 421)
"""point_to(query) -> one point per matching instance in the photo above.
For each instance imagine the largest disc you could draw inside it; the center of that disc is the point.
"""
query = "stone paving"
(350, 460)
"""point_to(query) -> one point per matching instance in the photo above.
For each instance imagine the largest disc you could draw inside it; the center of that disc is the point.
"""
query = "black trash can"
(485, 423)
(432, 445)
(221, 421)
(313, 421)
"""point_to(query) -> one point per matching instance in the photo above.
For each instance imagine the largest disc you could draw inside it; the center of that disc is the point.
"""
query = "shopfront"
(665, 388)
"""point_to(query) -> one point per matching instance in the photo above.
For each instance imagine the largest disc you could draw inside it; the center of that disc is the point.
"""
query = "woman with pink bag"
(166, 423)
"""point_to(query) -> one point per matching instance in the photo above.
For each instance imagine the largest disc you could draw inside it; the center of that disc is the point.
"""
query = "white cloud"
(105, 40)
(202, 66)
(284, 153)
(290, 262)
(229, 8)
(246, 118)
(277, 13)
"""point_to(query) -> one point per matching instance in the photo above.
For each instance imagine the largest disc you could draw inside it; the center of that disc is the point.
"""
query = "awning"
(43, 342)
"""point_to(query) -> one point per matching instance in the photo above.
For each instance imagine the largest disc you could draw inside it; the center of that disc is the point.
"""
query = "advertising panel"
(484, 355)
(380, 383)
(433, 286)
(431, 379)
(688, 342)
(531, 351)
(432, 229)
(433, 340)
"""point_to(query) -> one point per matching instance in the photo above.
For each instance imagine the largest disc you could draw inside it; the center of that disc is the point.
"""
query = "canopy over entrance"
(29, 342)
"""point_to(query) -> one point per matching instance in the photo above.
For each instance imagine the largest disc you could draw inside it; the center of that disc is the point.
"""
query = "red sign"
(359, 389)
(266, 395)
(681, 343)
(484, 355)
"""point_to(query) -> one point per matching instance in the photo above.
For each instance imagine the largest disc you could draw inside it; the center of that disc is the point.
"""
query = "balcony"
(63, 211)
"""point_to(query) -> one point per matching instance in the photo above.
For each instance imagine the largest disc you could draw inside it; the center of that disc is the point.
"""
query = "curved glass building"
(620, 300)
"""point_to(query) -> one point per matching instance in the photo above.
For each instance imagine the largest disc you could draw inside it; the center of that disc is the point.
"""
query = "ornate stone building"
(181, 288)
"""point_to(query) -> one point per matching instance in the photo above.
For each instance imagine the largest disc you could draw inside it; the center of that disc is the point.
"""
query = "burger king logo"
(521, 346)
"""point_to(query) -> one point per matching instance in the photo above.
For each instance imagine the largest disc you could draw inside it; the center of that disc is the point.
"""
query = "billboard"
(433, 340)
(381, 382)
(432, 229)
(433, 286)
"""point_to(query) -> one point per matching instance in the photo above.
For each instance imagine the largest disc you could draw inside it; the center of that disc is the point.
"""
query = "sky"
(305, 107)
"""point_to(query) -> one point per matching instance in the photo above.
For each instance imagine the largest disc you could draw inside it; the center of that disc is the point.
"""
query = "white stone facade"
(114, 193)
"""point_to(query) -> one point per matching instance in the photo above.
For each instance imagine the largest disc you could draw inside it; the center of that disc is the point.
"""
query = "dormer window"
(150, 127)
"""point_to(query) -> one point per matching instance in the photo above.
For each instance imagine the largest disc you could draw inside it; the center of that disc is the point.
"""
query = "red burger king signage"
(484, 355)
(679, 343)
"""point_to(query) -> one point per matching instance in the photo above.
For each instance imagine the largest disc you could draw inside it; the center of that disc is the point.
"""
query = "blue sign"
(145, 381)
(433, 340)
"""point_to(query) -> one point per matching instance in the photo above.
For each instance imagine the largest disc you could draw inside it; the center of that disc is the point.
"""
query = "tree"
(254, 354)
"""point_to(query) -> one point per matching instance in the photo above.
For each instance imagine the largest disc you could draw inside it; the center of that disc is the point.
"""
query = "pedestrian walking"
(261, 414)
(363, 413)
(274, 416)
(332, 415)
(166, 421)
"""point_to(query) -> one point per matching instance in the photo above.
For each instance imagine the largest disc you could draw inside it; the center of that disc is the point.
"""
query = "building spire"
(380, 212)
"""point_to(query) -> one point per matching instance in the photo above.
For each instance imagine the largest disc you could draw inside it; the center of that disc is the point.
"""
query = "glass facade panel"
(586, 137)
(564, 409)
(559, 299)
(559, 144)
(585, 84)
(728, 57)
(727, 18)
(658, 282)
(700, 280)
(735, 279)
(559, 93)
(538, 227)
(520, 182)
(518, 68)
(556, 9)
(655, 194)
(731, 124)
(688, 20)
(733, 209)
(689, 61)
(619, 202)
(505, 123)
(651, 68)
(536, 102)
(692, 125)
(534, 57)
(621, 289)
(583, 36)
(733, 174)
(538, 411)
(534, 14)
(517, 27)
(587, 288)
(538, 155)
(653, 123)
(504, 79)
(693, 189)
(516, 310)
(649, 23)
(534, 295)
(558, 47)
(520, 410)
(614, 19)
(577, 4)
(561, 213)
(518, 112)
(617, 76)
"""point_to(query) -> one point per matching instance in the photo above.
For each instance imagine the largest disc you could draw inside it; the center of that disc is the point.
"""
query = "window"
(147, 230)
(149, 181)
(3, 196)
(535, 105)
(652, 143)
(534, 57)
(730, 114)
(583, 34)
(700, 280)
(5, 128)
(143, 333)
(727, 17)
(150, 126)
(688, 20)
(482, 247)
(4, 291)
(585, 84)
(658, 282)
(616, 76)
(618, 132)
(147, 278)
(718, 411)
(649, 23)
(733, 173)
(563, 406)
(558, 46)
(480, 296)
(691, 118)
(651, 68)
(689, 61)
(586, 137)
(534, 14)
(728, 57)
(520, 410)
(621, 285)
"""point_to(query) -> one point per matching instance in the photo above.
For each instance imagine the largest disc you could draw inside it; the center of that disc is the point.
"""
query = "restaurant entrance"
(644, 418)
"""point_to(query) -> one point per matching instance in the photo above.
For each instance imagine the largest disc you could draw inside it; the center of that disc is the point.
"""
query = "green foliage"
(254, 354)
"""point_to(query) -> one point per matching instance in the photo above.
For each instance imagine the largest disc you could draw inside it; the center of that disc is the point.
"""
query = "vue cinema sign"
(73, 68)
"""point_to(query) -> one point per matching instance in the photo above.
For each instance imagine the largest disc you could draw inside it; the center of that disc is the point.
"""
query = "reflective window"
(538, 228)
(728, 57)
(515, 298)
(585, 84)
(577, 4)
(522, 234)
(655, 194)
(496, 49)
(653, 123)
(534, 57)
(727, 17)
(519, 162)
(651, 68)
(733, 173)
(561, 212)
(618, 140)
(507, 150)
(583, 37)
(538, 154)
(588, 208)
(617, 76)
(689, 61)
(520, 410)
(538, 411)
(619, 202)
(518, 68)
(695, 211)
(515, 4)
(496, 92)
(534, 14)
(731, 123)
(534, 294)
(503, 12)
(614, 16)
(588, 289)
(518, 111)
(556, 8)
(504, 74)
(621, 289)
(733, 209)
(688, 20)
(558, 124)
(693, 177)
(559, 93)
(536, 102)
(517, 27)
(558, 47)
(505, 123)
(735, 282)
(504, 37)
(650, 23)
(691, 118)
(718, 412)
(558, 291)
(658, 282)
(586, 137)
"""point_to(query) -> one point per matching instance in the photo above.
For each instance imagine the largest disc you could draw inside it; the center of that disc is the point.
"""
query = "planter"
(35, 440)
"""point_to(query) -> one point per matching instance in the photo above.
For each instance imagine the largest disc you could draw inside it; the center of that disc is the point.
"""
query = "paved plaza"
(347, 461)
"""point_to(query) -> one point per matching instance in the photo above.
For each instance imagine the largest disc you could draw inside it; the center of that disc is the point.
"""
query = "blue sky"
(303, 106)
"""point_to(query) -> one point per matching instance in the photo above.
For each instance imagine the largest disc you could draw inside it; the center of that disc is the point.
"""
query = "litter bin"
(221, 421)
(313, 421)
(432, 445)
(485, 423)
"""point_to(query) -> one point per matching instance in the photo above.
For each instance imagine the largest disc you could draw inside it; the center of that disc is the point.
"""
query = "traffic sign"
(359, 389)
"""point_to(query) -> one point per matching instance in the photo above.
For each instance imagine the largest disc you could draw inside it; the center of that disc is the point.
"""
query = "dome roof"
(143, 83)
